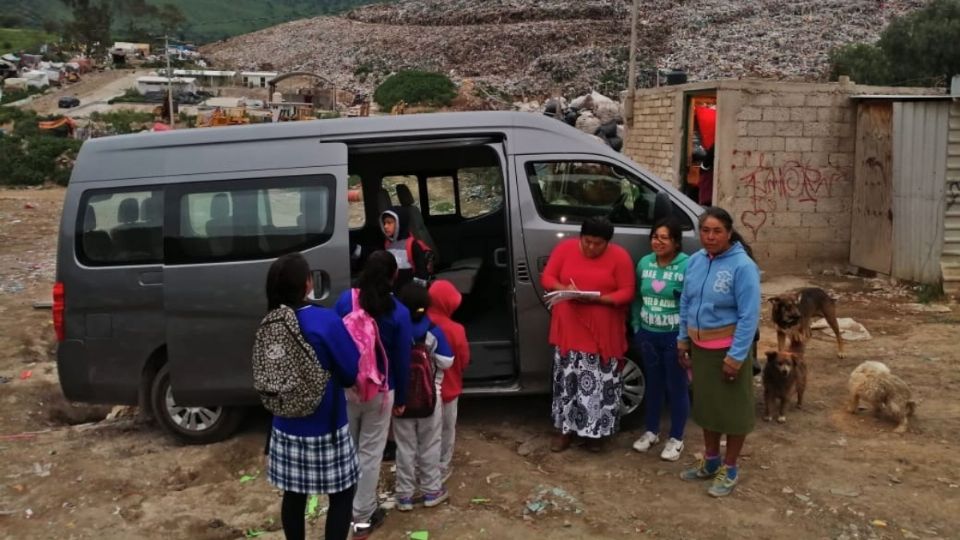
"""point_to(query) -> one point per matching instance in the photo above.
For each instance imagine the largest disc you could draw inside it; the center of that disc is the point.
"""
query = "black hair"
(375, 283)
(724, 217)
(287, 281)
(597, 226)
(673, 228)
(416, 298)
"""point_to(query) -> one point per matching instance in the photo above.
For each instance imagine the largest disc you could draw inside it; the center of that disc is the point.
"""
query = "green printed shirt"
(657, 305)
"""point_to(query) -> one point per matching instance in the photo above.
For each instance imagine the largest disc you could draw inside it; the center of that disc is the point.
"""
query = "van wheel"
(192, 425)
(634, 386)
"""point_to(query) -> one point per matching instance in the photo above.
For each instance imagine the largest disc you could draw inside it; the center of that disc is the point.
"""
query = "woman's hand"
(397, 411)
(683, 356)
(730, 372)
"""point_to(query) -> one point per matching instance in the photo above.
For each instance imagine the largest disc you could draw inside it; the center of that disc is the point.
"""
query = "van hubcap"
(191, 418)
(634, 386)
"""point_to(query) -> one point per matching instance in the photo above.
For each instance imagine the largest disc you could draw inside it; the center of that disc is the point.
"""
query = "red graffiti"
(766, 184)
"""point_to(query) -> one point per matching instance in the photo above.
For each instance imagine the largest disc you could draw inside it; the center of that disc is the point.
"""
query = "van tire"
(634, 386)
(192, 425)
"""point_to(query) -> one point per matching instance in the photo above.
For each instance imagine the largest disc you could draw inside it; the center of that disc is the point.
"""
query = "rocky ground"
(533, 48)
(67, 473)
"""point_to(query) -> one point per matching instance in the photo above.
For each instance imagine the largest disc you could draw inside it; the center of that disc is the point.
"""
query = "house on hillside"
(257, 79)
(160, 84)
(141, 50)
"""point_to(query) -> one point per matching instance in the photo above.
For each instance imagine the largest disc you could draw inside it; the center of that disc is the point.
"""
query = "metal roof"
(903, 97)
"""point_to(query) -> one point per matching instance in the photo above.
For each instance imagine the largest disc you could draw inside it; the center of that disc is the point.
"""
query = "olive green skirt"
(720, 405)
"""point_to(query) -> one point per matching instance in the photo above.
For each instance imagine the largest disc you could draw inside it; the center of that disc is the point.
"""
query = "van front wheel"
(634, 386)
(192, 425)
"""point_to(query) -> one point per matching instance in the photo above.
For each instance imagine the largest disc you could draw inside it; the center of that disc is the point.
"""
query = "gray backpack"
(286, 372)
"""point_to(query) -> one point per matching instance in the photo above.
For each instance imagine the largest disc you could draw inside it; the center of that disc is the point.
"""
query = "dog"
(793, 311)
(886, 393)
(784, 373)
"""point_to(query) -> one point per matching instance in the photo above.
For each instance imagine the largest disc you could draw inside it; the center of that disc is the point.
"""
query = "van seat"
(462, 273)
(417, 227)
(97, 245)
(219, 227)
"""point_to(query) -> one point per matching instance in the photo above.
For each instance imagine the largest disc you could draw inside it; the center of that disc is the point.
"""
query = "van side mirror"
(662, 207)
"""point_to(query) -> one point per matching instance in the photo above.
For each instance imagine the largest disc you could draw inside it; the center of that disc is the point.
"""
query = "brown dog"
(793, 311)
(784, 373)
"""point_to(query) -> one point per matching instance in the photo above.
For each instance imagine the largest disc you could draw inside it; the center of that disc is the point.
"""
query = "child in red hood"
(444, 300)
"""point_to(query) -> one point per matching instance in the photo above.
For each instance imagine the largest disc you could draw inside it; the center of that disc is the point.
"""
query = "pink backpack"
(366, 335)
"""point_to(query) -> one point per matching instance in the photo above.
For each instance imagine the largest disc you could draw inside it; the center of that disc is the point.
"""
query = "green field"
(15, 39)
(207, 20)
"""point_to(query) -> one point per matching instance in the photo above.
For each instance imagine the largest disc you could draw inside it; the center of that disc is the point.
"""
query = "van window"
(481, 191)
(440, 194)
(243, 220)
(390, 184)
(357, 216)
(120, 227)
(571, 191)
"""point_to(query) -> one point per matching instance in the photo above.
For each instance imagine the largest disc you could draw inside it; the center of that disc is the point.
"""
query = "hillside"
(207, 20)
(534, 47)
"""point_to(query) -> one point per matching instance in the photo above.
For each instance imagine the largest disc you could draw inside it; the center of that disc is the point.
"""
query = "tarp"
(707, 122)
(54, 124)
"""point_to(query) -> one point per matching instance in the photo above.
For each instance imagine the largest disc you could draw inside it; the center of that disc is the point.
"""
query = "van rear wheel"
(192, 425)
(634, 387)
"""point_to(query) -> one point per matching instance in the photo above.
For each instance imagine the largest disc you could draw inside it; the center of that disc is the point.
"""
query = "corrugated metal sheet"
(919, 188)
(950, 260)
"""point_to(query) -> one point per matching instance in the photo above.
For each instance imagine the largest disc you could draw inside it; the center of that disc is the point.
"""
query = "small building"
(160, 84)
(784, 159)
(208, 78)
(136, 49)
(256, 79)
(36, 78)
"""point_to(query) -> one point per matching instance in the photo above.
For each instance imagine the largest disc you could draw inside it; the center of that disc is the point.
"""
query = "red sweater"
(444, 300)
(590, 327)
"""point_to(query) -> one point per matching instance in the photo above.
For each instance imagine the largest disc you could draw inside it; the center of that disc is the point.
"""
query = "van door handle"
(321, 285)
(151, 278)
(500, 257)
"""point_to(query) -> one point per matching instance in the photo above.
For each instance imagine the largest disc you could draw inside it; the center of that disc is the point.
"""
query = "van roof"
(149, 154)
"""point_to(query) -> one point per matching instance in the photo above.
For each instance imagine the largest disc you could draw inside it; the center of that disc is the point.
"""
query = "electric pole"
(166, 50)
(632, 68)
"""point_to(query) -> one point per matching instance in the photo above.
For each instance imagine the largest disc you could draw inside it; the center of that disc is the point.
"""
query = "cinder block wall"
(785, 160)
(656, 132)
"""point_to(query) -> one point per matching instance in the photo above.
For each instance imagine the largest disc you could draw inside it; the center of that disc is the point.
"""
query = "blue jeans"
(666, 378)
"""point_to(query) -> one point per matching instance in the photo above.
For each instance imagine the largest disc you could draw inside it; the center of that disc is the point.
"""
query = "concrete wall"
(785, 155)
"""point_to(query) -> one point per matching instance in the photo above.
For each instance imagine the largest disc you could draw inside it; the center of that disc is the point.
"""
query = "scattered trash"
(313, 508)
(29, 206)
(250, 477)
(789, 513)
(420, 535)
(909, 535)
(41, 470)
(479, 500)
(802, 498)
(11, 287)
(845, 492)
(926, 308)
(26, 374)
(545, 498)
(527, 447)
(850, 329)
(493, 476)
(253, 533)
(879, 523)
(787, 491)
(894, 479)
(43, 304)
(4, 379)
(29, 513)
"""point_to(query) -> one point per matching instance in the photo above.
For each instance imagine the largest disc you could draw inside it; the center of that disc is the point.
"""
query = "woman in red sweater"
(589, 336)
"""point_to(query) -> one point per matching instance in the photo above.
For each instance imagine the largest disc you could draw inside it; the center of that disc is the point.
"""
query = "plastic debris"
(547, 498)
(879, 523)
(249, 477)
(26, 374)
(420, 535)
(479, 500)
(253, 533)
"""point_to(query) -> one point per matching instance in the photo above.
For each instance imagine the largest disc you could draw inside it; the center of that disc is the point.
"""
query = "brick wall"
(655, 132)
(785, 170)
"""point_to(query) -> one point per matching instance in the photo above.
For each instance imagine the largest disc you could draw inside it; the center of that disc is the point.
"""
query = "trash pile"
(546, 499)
(593, 113)
(537, 47)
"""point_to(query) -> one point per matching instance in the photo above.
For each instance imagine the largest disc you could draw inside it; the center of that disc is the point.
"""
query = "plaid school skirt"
(310, 465)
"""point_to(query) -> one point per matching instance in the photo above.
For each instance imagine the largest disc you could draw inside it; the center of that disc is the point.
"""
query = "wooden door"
(871, 239)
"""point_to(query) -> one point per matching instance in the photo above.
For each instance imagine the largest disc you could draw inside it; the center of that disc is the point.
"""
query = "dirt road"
(823, 474)
(93, 90)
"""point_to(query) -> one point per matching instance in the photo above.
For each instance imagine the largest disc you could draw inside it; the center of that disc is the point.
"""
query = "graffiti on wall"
(953, 193)
(769, 185)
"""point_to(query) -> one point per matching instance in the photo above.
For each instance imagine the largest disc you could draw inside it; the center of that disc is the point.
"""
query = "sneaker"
(445, 475)
(722, 483)
(364, 530)
(646, 441)
(405, 504)
(434, 498)
(671, 450)
(700, 472)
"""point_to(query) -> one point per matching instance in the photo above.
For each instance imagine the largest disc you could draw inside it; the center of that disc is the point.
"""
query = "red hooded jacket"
(444, 300)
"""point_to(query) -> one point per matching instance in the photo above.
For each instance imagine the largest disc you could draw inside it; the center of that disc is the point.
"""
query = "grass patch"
(10, 96)
(14, 40)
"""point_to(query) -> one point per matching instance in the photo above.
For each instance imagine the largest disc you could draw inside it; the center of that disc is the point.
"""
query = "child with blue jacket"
(314, 454)
(419, 439)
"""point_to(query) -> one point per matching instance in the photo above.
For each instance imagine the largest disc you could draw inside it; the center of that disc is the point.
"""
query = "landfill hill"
(530, 48)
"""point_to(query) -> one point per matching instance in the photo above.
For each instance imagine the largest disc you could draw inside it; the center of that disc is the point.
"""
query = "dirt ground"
(66, 473)
(94, 90)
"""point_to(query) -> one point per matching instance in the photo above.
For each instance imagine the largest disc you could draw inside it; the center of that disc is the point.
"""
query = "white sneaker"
(645, 441)
(671, 450)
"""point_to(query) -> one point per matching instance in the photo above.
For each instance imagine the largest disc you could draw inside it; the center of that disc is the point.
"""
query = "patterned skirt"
(586, 394)
(311, 465)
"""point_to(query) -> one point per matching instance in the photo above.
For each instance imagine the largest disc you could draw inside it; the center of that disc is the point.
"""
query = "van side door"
(223, 233)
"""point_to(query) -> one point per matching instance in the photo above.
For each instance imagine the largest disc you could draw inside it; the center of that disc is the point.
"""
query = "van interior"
(455, 193)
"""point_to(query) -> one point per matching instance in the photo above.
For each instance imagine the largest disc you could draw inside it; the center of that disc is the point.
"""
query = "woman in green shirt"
(655, 321)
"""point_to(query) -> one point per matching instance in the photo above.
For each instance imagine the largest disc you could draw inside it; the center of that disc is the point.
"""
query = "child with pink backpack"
(417, 430)
(381, 329)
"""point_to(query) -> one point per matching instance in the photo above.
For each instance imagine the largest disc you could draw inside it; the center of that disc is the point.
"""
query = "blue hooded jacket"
(719, 292)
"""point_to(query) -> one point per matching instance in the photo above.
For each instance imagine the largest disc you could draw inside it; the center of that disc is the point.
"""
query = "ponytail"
(376, 282)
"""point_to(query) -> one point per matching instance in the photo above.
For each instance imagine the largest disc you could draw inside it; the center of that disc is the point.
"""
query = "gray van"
(166, 239)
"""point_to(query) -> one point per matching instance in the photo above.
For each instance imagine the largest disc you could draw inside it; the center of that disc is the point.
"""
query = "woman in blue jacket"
(314, 454)
(719, 315)
(370, 420)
